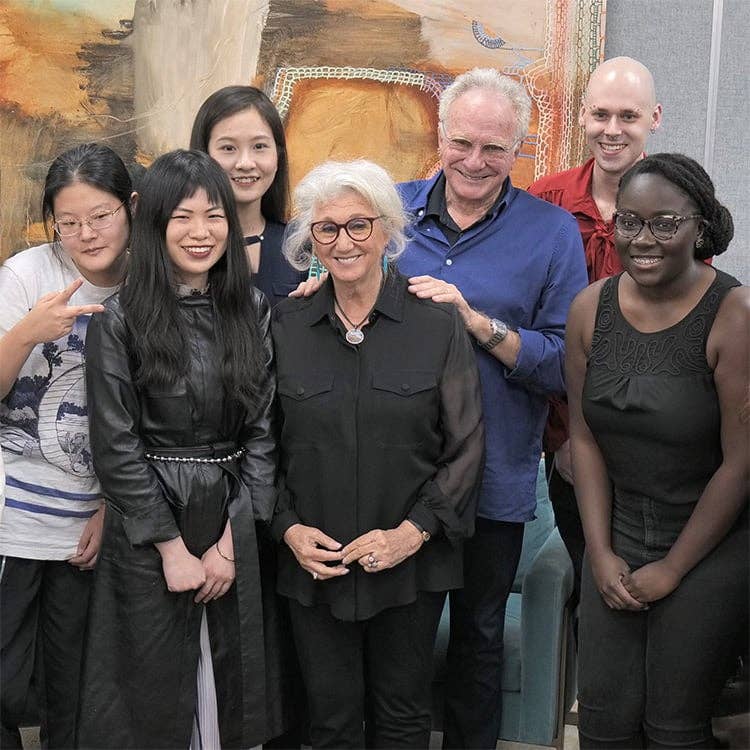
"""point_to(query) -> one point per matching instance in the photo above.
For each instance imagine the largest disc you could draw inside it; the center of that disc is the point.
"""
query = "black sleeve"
(448, 501)
(258, 466)
(128, 481)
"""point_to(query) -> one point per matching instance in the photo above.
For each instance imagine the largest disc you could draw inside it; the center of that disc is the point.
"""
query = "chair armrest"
(547, 588)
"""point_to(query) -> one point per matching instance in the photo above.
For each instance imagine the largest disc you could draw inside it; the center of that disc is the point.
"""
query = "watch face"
(498, 327)
(499, 332)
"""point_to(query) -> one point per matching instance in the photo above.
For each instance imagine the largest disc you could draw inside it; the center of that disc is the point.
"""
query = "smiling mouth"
(612, 148)
(347, 259)
(198, 252)
(245, 180)
(472, 177)
(646, 260)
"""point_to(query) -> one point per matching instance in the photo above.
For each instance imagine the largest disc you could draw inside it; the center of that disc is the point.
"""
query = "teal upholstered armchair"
(538, 671)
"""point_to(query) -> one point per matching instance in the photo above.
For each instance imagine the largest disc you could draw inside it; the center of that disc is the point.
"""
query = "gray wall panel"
(731, 162)
(673, 38)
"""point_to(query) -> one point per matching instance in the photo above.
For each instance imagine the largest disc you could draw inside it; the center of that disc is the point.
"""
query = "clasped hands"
(376, 550)
(212, 574)
(622, 589)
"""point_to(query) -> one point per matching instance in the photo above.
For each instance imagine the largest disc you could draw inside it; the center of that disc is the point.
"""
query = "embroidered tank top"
(650, 399)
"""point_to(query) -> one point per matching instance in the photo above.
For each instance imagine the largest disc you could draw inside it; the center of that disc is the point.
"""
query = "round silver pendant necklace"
(354, 334)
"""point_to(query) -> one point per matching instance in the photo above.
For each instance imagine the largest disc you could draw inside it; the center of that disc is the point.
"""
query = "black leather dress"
(138, 683)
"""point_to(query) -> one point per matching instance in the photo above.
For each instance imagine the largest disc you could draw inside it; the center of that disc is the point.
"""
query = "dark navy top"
(275, 277)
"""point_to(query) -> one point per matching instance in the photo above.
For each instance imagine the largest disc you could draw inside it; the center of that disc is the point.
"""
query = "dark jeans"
(377, 670)
(650, 679)
(475, 649)
(42, 621)
(568, 520)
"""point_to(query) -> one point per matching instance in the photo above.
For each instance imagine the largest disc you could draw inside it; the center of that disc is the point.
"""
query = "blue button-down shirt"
(522, 264)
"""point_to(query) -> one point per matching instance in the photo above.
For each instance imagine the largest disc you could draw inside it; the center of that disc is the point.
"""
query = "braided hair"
(690, 177)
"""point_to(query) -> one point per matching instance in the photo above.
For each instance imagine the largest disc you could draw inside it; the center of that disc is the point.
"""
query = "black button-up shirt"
(373, 434)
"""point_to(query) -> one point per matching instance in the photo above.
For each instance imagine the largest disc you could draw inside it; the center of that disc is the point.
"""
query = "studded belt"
(201, 454)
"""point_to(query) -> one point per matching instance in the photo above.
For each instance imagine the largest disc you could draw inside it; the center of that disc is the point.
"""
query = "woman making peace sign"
(52, 519)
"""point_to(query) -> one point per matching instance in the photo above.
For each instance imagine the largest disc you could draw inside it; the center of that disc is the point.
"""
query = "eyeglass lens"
(70, 227)
(326, 232)
(662, 227)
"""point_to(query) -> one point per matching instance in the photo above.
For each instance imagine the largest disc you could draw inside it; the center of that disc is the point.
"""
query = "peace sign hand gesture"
(52, 317)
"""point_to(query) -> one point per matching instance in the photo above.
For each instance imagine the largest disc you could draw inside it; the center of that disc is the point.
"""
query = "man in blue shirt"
(512, 264)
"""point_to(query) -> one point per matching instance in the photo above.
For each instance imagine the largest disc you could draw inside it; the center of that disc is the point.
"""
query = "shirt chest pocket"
(304, 386)
(308, 405)
(405, 407)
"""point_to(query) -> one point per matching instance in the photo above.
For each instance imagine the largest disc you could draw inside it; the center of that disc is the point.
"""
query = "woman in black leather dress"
(181, 392)
(657, 367)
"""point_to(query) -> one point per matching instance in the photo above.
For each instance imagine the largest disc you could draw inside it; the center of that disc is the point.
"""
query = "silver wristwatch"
(499, 332)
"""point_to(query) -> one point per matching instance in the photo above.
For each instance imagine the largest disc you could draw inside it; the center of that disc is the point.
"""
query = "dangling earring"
(699, 243)
(385, 264)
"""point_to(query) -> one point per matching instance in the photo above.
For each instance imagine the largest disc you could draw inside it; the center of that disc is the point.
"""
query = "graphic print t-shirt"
(50, 489)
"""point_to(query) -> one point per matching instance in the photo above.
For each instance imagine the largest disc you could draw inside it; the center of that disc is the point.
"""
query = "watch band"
(499, 332)
(426, 536)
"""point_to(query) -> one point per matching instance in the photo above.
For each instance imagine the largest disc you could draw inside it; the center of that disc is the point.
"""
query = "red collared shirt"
(572, 191)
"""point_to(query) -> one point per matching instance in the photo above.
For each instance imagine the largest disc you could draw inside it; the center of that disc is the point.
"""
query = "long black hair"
(92, 164)
(690, 177)
(229, 101)
(148, 297)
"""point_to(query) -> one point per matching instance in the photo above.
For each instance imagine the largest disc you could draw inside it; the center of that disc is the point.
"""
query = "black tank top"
(650, 399)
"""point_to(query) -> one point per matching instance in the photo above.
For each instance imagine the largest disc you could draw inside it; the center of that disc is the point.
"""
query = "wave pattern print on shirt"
(46, 414)
(44, 417)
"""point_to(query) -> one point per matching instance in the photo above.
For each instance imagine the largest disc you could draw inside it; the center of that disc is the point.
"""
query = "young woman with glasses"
(51, 524)
(657, 373)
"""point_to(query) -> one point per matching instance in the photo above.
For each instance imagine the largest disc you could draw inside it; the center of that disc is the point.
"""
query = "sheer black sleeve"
(448, 501)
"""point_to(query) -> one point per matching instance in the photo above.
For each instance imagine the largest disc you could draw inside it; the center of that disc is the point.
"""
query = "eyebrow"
(259, 136)
(100, 207)
(466, 138)
(626, 111)
(215, 207)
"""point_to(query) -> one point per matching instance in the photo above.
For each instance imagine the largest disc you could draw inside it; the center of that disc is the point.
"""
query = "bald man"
(618, 113)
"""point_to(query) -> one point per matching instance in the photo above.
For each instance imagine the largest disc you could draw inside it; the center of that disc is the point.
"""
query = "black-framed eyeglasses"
(358, 228)
(663, 228)
(97, 222)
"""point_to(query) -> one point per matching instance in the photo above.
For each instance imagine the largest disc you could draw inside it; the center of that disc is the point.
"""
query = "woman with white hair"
(381, 450)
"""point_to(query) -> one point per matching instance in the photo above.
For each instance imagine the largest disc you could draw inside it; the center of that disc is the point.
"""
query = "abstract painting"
(351, 78)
